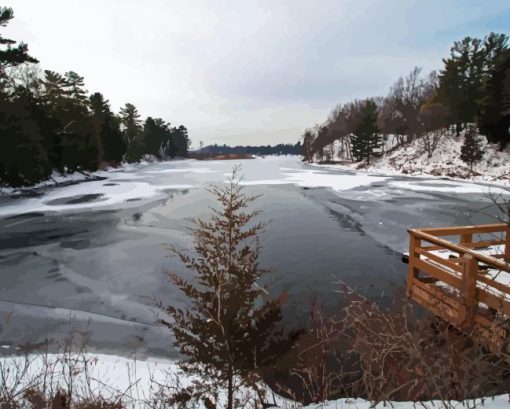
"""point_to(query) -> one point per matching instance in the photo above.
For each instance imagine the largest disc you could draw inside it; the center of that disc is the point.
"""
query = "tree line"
(48, 121)
(279, 149)
(471, 94)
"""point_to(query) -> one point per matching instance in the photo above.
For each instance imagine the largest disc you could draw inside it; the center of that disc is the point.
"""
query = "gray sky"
(246, 72)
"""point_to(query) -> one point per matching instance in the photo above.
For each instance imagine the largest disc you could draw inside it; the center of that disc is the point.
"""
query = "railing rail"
(459, 248)
(459, 289)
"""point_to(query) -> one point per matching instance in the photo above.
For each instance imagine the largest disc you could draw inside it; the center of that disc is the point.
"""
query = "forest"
(49, 122)
(469, 95)
(279, 149)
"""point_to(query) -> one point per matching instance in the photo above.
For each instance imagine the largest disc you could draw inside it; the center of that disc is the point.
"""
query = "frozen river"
(87, 256)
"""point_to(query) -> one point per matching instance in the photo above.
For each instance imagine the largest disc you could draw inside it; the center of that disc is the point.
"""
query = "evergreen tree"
(229, 331)
(471, 151)
(494, 119)
(75, 88)
(23, 157)
(54, 101)
(180, 142)
(107, 129)
(495, 46)
(463, 80)
(11, 56)
(55, 94)
(75, 140)
(49, 122)
(366, 139)
(156, 135)
(132, 131)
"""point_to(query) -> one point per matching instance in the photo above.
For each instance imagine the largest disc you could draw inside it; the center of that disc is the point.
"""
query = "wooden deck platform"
(462, 275)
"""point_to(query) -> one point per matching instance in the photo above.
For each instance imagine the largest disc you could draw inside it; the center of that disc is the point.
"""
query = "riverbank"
(55, 180)
(142, 383)
(58, 179)
(445, 162)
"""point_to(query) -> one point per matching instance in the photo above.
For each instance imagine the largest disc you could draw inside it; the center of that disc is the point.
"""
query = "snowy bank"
(413, 160)
(58, 179)
(140, 381)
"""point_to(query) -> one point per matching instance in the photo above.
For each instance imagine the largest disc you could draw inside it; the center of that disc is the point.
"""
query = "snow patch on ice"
(314, 178)
(338, 182)
(107, 196)
(446, 186)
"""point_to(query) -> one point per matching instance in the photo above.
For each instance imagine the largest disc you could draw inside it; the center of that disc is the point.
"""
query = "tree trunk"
(230, 389)
(99, 143)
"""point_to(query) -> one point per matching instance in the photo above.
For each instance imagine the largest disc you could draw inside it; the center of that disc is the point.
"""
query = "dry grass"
(385, 355)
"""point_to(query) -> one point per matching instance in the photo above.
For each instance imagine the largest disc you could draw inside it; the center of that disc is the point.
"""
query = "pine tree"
(229, 331)
(23, 158)
(471, 151)
(107, 129)
(464, 77)
(54, 101)
(75, 89)
(75, 142)
(494, 119)
(11, 56)
(458, 83)
(180, 142)
(132, 131)
(157, 137)
(366, 139)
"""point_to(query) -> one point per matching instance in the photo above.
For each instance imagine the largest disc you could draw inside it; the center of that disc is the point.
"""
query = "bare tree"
(308, 138)
(329, 152)
(434, 119)
(391, 122)
(403, 104)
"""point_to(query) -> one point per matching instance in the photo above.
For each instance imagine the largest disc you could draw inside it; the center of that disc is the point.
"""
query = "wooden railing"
(451, 276)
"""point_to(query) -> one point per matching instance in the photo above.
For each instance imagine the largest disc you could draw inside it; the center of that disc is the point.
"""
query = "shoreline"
(140, 379)
(395, 172)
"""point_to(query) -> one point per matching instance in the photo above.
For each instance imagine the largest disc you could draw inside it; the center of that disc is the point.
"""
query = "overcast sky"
(246, 72)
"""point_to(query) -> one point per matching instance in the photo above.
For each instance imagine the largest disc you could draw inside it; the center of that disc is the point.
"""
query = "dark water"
(86, 257)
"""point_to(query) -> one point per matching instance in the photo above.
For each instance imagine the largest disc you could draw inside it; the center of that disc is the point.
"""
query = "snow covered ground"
(139, 380)
(413, 160)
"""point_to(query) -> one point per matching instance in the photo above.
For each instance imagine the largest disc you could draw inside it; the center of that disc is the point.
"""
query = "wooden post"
(469, 290)
(466, 238)
(507, 244)
(412, 272)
